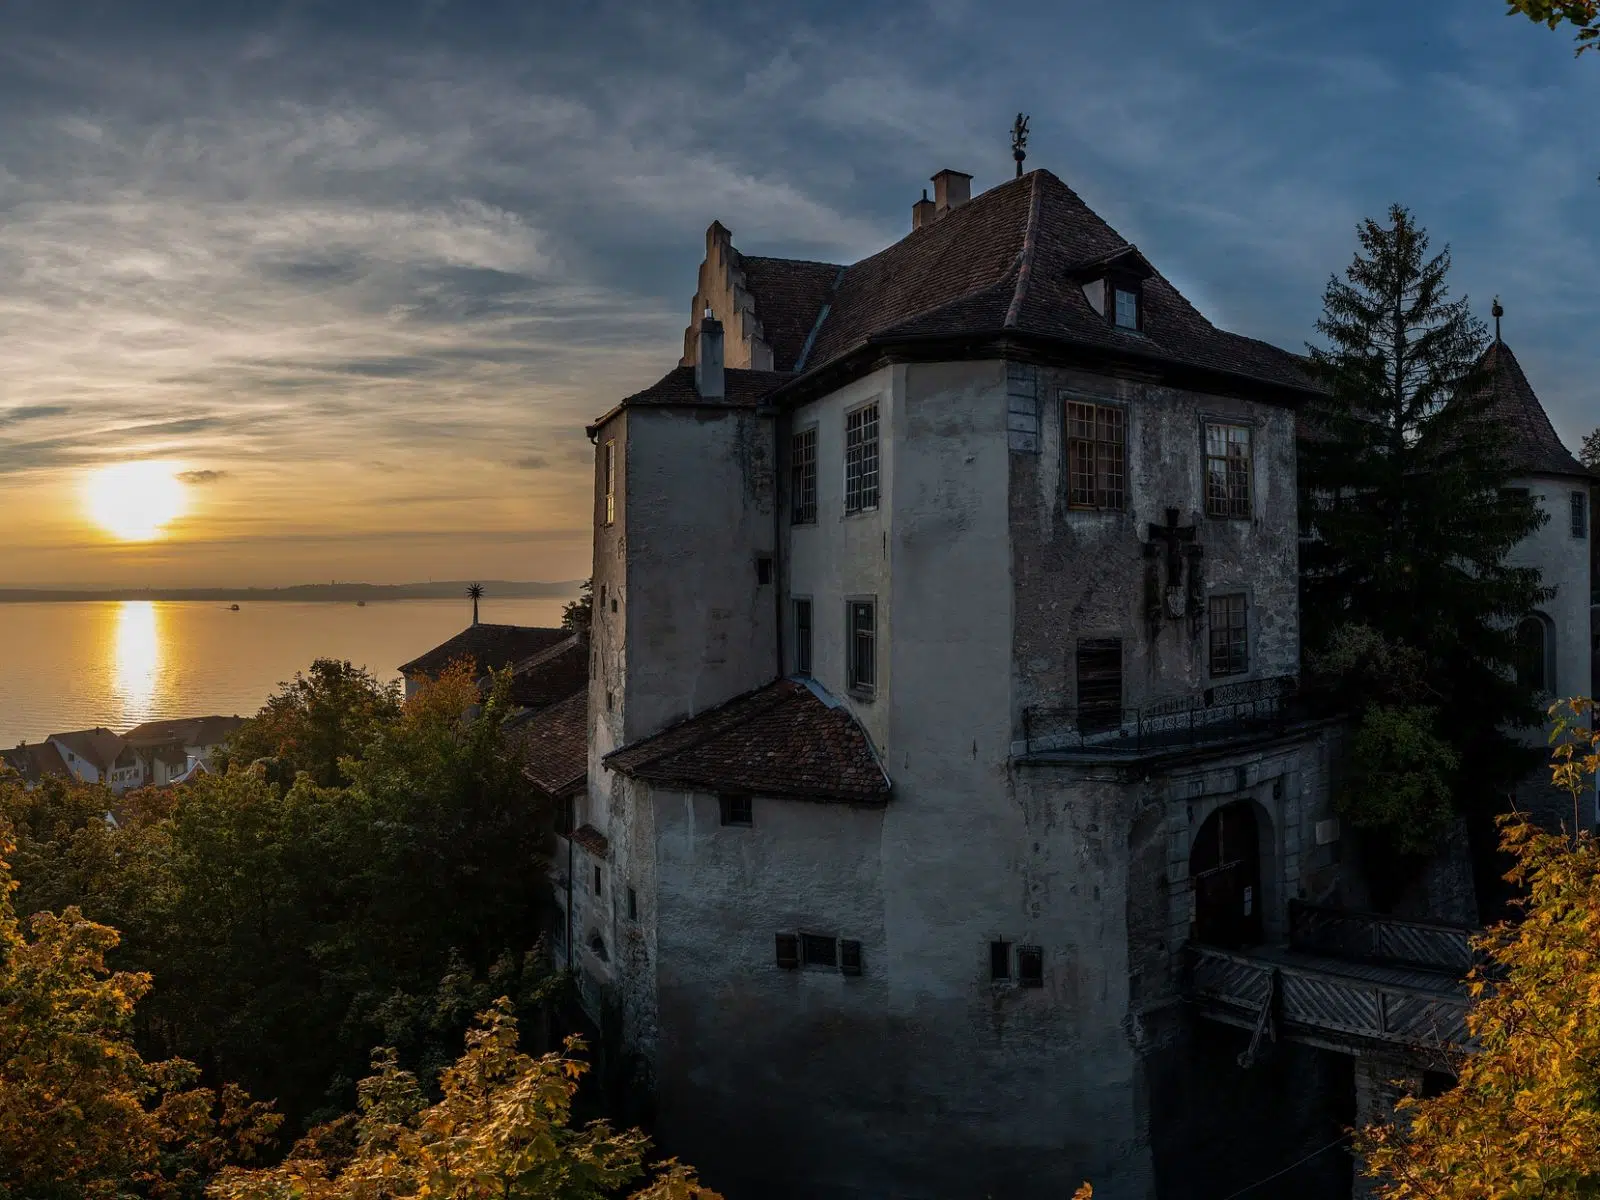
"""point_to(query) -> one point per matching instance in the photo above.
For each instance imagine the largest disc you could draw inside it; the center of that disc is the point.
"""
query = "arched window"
(1534, 668)
(597, 945)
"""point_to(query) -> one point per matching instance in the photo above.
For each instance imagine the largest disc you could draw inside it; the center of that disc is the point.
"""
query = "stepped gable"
(1531, 443)
(553, 746)
(552, 675)
(487, 647)
(785, 739)
(789, 293)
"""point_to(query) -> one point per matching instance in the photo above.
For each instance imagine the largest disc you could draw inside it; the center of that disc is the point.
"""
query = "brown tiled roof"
(740, 388)
(789, 293)
(785, 739)
(488, 647)
(1530, 441)
(189, 731)
(592, 840)
(33, 762)
(98, 746)
(554, 746)
(551, 675)
(1011, 259)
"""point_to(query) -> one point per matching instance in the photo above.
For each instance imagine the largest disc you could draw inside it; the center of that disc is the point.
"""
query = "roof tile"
(1530, 441)
(488, 647)
(553, 746)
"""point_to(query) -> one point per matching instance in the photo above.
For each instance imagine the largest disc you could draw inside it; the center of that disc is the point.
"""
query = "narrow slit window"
(597, 881)
(861, 459)
(818, 950)
(1580, 515)
(802, 637)
(803, 477)
(1228, 471)
(633, 905)
(1099, 684)
(611, 480)
(1096, 456)
(1230, 640)
(763, 571)
(999, 960)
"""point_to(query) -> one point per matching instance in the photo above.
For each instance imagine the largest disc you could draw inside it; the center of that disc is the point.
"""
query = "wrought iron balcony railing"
(1217, 714)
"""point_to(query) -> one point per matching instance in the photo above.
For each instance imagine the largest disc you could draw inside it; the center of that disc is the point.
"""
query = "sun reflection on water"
(138, 660)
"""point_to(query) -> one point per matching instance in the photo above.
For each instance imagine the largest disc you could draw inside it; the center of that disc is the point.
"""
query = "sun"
(135, 501)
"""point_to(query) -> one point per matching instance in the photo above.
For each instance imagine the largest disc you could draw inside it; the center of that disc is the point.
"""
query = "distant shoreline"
(493, 589)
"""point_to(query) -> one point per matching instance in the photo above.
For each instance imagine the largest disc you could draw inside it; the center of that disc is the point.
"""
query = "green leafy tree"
(324, 715)
(1589, 453)
(502, 1130)
(579, 614)
(1523, 1119)
(1582, 15)
(82, 1114)
(1404, 485)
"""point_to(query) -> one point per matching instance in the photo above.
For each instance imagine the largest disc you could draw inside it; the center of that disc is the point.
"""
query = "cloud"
(32, 412)
(200, 477)
(531, 462)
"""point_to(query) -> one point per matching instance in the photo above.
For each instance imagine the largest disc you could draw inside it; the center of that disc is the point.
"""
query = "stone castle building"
(944, 638)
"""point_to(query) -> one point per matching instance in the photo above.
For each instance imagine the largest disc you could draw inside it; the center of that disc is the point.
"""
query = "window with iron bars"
(1228, 471)
(861, 459)
(803, 477)
(1099, 684)
(1096, 456)
(1230, 641)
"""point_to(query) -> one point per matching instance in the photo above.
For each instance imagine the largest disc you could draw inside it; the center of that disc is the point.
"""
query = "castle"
(941, 694)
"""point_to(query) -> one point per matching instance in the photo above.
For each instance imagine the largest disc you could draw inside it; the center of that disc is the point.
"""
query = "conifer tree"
(1403, 486)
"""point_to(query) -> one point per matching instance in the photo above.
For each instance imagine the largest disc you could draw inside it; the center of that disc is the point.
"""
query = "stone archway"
(1225, 876)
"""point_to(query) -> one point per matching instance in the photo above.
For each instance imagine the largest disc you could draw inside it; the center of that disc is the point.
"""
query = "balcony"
(1225, 713)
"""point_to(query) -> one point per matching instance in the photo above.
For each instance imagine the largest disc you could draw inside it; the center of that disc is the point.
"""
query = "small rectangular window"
(788, 951)
(999, 960)
(1030, 966)
(633, 905)
(803, 477)
(763, 571)
(736, 810)
(816, 950)
(861, 459)
(1228, 471)
(802, 637)
(560, 929)
(862, 643)
(1580, 515)
(1127, 309)
(1099, 684)
(566, 815)
(611, 480)
(849, 957)
(1096, 449)
(1230, 640)
(597, 880)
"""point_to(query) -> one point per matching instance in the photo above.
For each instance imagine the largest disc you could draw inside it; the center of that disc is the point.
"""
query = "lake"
(72, 665)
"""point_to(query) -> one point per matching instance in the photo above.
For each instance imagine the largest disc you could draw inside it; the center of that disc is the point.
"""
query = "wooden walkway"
(1346, 981)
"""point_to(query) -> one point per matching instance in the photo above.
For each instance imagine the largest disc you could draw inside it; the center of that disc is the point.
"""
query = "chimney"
(950, 189)
(922, 211)
(708, 359)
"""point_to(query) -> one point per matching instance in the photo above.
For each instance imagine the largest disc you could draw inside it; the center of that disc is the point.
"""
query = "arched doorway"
(1225, 873)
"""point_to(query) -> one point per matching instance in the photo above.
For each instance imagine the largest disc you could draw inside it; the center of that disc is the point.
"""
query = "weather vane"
(1019, 141)
(1498, 313)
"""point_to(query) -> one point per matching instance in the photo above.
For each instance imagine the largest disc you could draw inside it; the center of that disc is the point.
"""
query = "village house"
(488, 648)
(171, 751)
(100, 756)
(949, 825)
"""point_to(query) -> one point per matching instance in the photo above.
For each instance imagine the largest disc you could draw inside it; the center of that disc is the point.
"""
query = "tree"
(502, 1129)
(1589, 453)
(1583, 15)
(81, 1113)
(1404, 487)
(579, 614)
(323, 715)
(1524, 1116)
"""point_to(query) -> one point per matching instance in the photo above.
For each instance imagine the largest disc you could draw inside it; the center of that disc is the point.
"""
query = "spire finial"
(1019, 141)
(1498, 313)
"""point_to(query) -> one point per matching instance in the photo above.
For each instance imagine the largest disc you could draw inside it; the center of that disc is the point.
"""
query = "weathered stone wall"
(1083, 573)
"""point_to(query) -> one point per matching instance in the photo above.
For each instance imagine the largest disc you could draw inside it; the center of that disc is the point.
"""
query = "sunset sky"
(359, 271)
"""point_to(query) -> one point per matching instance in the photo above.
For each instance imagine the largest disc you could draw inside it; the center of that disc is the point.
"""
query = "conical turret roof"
(1531, 443)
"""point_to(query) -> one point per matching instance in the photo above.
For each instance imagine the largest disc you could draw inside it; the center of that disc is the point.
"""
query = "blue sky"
(364, 269)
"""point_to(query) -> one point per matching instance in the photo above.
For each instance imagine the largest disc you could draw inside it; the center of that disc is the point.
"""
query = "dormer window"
(1126, 308)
